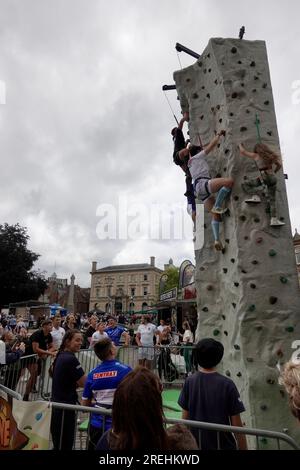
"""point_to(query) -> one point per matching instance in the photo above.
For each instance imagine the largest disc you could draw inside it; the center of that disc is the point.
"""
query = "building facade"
(124, 288)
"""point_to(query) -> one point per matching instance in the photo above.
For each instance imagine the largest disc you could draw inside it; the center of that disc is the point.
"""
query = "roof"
(296, 237)
(127, 267)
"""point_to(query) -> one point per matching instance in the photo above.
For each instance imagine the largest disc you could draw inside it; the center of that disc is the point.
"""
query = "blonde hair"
(268, 155)
(290, 378)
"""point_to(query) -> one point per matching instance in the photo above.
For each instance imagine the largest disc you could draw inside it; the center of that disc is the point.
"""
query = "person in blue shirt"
(100, 387)
(115, 332)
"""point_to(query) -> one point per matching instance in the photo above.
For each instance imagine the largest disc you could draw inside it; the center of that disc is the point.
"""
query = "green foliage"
(17, 279)
(173, 278)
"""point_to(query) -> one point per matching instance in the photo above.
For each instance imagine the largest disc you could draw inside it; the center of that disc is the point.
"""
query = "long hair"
(68, 336)
(137, 413)
(290, 378)
(268, 156)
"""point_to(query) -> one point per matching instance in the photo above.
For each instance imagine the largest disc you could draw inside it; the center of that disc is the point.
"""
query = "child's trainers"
(218, 245)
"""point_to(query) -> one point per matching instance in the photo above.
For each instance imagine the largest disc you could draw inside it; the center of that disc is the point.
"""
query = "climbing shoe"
(218, 245)
(218, 210)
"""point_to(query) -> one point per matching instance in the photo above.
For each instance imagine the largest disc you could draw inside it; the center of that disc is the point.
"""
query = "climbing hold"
(227, 240)
(246, 237)
(254, 261)
(218, 106)
(202, 268)
(209, 287)
(245, 177)
(265, 85)
(195, 95)
(223, 316)
(269, 133)
(244, 272)
(263, 407)
(254, 90)
(236, 198)
(222, 63)
(272, 252)
(234, 50)
(218, 175)
(250, 359)
(279, 352)
(212, 109)
(233, 304)
(208, 55)
(226, 151)
(225, 168)
(209, 70)
(266, 102)
(225, 270)
(228, 373)
(216, 332)
(234, 95)
(203, 87)
(236, 284)
(202, 116)
(188, 79)
(257, 220)
(232, 260)
(242, 85)
(251, 308)
(258, 328)
(247, 111)
(205, 309)
(282, 393)
(219, 145)
(283, 279)
(289, 329)
(242, 218)
(259, 240)
(239, 62)
(236, 346)
(239, 374)
(256, 78)
(204, 71)
(231, 114)
(273, 300)
(226, 333)
(281, 218)
(264, 440)
(270, 381)
(204, 225)
(200, 64)
(220, 120)
(243, 129)
(252, 64)
(253, 286)
(208, 95)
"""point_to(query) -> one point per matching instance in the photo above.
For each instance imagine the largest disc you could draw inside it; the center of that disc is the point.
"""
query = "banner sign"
(169, 295)
(24, 425)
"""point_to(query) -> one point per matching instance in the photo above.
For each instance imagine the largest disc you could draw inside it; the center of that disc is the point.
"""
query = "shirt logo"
(104, 375)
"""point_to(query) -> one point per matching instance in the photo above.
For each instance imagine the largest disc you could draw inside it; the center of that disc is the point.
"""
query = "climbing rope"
(179, 59)
(171, 108)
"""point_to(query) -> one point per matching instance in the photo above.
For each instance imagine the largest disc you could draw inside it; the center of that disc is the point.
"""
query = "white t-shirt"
(147, 332)
(57, 336)
(96, 337)
(198, 166)
(188, 337)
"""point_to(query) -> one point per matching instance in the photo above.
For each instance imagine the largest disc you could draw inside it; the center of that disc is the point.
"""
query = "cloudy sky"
(85, 127)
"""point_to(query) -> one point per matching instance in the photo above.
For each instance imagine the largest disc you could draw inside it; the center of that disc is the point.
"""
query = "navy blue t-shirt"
(212, 398)
(67, 371)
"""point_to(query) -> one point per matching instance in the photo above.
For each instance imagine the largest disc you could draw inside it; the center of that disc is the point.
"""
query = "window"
(297, 256)
(108, 291)
(145, 277)
(144, 306)
(132, 291)
(97, 292)
(145, 291)
(131, 307)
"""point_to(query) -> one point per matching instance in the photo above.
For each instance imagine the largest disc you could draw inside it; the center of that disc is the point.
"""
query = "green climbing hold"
(239, 374)
(272, 252)
(283, 279)
(289, 329)
(205, 309)
(263, 407)
(251, 308)
(216, 332)
(236, 346)
(264, 440)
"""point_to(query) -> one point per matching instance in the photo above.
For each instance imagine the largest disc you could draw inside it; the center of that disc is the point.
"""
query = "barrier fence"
(82, 413)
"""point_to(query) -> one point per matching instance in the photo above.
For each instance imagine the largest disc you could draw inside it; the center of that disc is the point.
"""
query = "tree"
(172, 278)
(17, 279)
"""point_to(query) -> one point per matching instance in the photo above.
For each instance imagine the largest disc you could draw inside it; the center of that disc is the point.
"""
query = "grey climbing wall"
(248, 296)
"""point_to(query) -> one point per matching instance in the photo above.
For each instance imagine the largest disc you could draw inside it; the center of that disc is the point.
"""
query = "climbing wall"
(248, 296)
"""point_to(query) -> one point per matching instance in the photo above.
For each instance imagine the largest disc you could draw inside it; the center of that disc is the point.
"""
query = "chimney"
(152, 261)
(94, 266)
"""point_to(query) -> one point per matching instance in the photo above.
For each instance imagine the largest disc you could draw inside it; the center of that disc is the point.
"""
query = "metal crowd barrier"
(82, 413)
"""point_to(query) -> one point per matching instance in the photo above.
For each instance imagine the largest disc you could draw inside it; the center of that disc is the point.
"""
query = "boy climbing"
(205, 186)
(265, 160)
